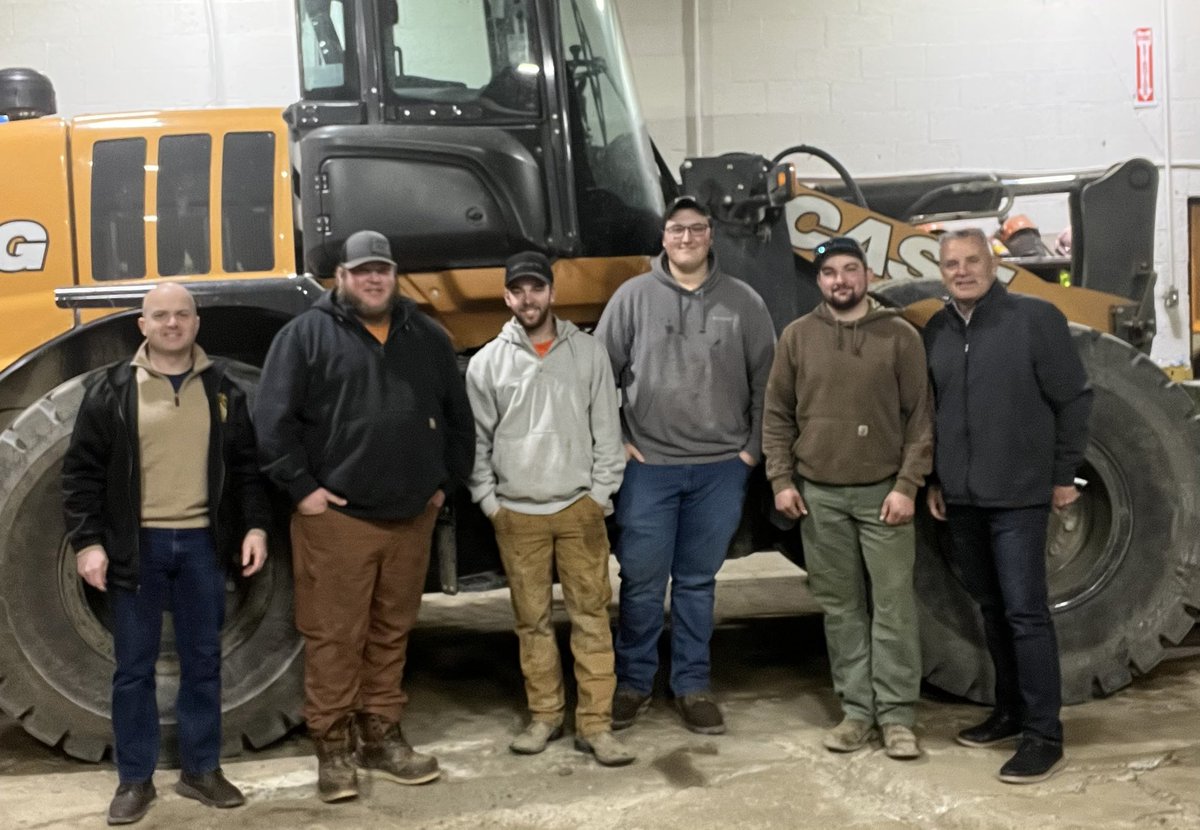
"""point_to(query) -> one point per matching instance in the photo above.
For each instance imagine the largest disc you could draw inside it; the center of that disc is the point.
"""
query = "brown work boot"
(626, 706)
(701, 714)
(535, 737)
(900, 742)
(381, 748)
(337, 779)
(850, 735)
(608, 751)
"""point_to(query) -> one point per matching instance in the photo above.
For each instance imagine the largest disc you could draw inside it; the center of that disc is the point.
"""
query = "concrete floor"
(1134, 759)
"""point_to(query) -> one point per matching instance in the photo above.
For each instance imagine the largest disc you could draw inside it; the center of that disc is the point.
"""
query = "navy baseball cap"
(838, 245)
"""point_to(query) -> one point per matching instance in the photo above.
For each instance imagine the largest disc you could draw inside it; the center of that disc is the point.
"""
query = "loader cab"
(467, 130)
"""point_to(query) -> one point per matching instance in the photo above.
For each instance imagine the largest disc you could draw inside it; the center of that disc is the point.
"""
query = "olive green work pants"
(861, 572)
(576, 541)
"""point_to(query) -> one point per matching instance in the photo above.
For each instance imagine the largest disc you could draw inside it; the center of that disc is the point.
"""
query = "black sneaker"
(1036, 760)
(701, 714)
(999, 727)
(626, 706)
(130, 802)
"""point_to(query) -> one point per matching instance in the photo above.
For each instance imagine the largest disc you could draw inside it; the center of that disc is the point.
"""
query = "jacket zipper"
(967, 405)
(134, 508)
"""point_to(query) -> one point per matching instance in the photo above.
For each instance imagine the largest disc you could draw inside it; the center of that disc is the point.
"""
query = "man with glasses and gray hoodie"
(691, 349)
(548, 459)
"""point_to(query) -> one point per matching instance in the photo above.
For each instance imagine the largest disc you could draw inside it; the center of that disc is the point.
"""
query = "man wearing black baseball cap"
(546, 488)
(838, 245)
(365, 424)
(848, 435)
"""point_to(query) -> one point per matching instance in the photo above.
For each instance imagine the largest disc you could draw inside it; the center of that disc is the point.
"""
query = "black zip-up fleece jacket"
(101, 478)
(381, 425)
(1012, 401)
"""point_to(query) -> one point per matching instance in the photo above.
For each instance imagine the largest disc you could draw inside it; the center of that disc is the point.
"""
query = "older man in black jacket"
(1012, 404)
(162, 459)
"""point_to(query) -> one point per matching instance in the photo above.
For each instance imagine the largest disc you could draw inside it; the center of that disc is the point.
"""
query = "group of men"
(363, 420)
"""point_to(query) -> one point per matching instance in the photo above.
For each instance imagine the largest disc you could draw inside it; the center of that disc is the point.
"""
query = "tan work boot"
(381, 748)
(900, 743)
(850, 735)
(609, 752)
(535, 737)
(337, 780)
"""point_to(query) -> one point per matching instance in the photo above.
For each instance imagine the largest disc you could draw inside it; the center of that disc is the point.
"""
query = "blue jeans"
(178, 572)
(1001, 557)
(676, 522)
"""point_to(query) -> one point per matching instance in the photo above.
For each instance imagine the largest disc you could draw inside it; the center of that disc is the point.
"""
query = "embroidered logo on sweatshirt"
(863, 429)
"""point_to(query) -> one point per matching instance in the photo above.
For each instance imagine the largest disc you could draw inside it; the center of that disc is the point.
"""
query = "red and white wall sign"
(1144, 94)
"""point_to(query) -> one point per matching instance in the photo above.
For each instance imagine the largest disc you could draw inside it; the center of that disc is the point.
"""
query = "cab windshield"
(479, 57)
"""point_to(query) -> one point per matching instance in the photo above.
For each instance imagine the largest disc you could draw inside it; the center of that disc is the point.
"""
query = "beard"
(540, 315)
(847, 302)
(362, 309)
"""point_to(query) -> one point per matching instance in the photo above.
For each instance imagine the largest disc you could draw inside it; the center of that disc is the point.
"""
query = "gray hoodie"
(693, 365)
(547, 431)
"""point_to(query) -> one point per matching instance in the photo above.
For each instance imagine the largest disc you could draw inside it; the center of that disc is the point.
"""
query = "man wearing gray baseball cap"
(366, 426)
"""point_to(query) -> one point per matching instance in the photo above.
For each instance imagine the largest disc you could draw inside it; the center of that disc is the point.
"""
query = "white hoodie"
(547, 429)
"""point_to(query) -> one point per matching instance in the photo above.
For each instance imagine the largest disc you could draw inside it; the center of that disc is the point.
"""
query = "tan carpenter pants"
(530, 545)
(358, 589)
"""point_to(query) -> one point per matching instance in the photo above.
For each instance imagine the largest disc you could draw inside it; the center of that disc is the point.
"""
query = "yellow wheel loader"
(465, 132)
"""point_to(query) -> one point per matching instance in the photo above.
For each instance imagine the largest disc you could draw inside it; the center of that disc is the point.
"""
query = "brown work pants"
(576, 540)
(358, 588)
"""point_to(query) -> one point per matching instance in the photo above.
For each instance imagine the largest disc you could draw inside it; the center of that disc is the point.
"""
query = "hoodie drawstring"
(698, 294)
(857, 338)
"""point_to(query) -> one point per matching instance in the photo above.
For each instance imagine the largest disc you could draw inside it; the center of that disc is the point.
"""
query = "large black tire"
(1123, 567)
(56, 659)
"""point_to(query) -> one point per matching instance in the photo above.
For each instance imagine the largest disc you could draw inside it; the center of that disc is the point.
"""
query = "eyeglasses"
(677, 231)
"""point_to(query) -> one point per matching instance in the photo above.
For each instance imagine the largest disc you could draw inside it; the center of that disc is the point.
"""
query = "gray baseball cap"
(366, 246)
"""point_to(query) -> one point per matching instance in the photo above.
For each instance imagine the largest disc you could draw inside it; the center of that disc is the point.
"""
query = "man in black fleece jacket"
(365, 424)
(1012, 404)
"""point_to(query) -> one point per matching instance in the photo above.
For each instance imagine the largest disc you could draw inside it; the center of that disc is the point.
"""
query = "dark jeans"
(1001, 554)
(676, 522)
(178, 572)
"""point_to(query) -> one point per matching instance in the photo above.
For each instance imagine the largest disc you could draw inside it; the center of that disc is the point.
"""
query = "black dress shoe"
(130, 802)
(999, 727)
(210, 788)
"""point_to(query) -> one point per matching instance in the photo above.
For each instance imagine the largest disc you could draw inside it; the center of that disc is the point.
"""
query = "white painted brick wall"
(137, 54)
(887, 86)
(893, 86)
